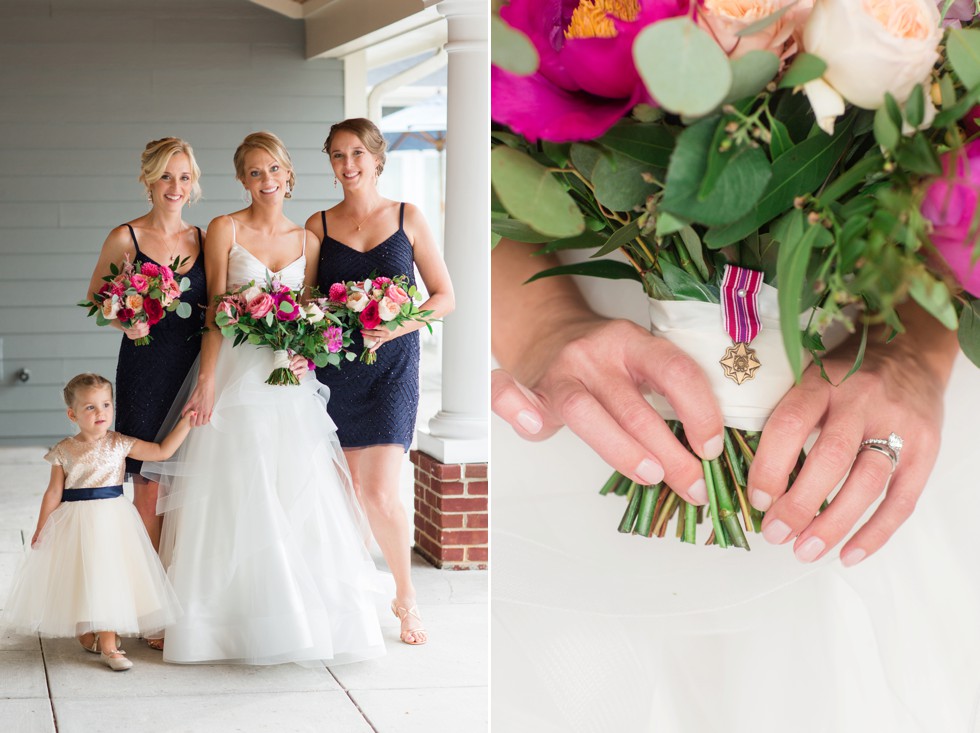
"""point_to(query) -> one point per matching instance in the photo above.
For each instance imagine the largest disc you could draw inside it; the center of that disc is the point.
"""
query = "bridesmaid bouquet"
(273, 316)
(140, 292)
(370, 303)
(827, 147)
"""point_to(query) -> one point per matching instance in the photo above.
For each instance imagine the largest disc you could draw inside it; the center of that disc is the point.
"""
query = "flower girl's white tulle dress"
(262, 536)
(597, 631)
(93, 568)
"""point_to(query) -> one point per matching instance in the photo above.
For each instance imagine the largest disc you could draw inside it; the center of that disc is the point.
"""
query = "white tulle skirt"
(262, 536)
(597, 631)
(93, 569)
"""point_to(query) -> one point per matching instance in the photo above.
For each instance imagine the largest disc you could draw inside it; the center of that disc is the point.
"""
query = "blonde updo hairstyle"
(271, 144)
(367, 132)
(83, 382)
(156, 157)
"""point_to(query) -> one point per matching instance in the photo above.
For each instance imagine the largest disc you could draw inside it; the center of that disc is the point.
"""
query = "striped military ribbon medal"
(740, 317)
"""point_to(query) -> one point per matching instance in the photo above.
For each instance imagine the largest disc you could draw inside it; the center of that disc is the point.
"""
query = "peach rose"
(110, 307)
(357, 301)
(396, 294)
(134, 303)
(724, 19)
(388, 309)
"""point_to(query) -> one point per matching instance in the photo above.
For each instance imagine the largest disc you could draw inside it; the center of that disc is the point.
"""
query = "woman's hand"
(137, 331)
(899, 388)
(381, 335)
(201, 402)
(299, 365)
(588, 376)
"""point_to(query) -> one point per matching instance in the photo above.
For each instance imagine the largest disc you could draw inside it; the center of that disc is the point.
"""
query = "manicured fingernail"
(529, 421)
(650, 472)
(852, 557)
(776, 532)
(698, 491)
(810, 549)
(713, 448)
(760, 499)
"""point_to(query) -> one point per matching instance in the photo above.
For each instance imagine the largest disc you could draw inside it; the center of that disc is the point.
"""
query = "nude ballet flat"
(115, 660)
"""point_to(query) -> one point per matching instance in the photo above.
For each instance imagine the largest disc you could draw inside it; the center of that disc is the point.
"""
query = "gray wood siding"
(84, 85)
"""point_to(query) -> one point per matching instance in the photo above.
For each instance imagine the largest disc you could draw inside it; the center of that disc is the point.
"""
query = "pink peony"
(281, 297)
(154, 311)
(139, 282)
(337, 293)
(260, 305)
(950, 204)
(228, 308)
(395, 293)
(334, 336)
(149, 270)
(167, 273)
(586, 80)
(370, 318)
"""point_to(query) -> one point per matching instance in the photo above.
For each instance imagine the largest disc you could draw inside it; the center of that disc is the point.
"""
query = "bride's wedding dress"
(263, 539)
(597, 631)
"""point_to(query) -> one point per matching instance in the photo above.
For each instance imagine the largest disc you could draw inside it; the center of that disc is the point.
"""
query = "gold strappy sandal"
(401, 613)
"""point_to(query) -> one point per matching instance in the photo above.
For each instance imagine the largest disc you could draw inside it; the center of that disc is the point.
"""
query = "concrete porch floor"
(53, 685)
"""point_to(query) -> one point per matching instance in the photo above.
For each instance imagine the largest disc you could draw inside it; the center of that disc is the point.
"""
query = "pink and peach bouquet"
(276, 316)
(139, 292)
(830, 145)
(374, 302)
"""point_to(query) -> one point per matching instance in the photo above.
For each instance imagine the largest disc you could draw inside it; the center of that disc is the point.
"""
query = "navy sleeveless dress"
(149, 377)
(372, 404)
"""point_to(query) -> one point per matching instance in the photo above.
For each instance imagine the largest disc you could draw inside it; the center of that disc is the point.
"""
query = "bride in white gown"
(597, 631)
(262, 536)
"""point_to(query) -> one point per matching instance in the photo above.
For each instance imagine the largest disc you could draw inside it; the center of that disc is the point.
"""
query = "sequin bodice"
(91, 465)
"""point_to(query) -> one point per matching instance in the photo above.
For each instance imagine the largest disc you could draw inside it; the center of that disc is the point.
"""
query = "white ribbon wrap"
(280, 359)
(697, 328)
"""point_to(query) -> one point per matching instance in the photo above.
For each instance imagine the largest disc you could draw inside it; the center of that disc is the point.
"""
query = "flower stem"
(629, 517)
(727, 513)
(690, 523)
(713, 503)
(648, 505)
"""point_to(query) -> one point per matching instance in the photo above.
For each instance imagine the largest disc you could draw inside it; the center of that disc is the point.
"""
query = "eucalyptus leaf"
(763, 23)
(510, 49)
(969, 331)
(934, 297)
(619, 182)
(531, 194)
(738, 186)
(667, 223)
(918, 156)
(255, 339)
(585, 157)
(647, 142)
(586, 240)
(915, 106)
(609, 269)
(887, 133)
(682, 67)
(558, 152)
(684, 286)
(620, 237)
(504, 226)
(963, 49)
(805, 67)
(751, 73)
(185, 284)
(184, 310)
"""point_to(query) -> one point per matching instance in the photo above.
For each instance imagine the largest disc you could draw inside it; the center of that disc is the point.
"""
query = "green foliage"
(531, 194)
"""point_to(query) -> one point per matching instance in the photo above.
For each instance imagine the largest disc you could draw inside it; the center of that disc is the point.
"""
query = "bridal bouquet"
(804, 162)
(372, 302)
(140, 292)
(273, 316)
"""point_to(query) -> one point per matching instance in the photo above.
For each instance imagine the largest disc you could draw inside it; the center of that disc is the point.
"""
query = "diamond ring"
(890, 447)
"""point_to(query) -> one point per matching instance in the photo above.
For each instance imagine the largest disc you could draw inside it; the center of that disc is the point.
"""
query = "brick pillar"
(451, 529)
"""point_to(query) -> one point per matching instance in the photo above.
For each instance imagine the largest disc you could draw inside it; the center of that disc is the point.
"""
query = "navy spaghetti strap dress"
(372, 404)
(149, 377)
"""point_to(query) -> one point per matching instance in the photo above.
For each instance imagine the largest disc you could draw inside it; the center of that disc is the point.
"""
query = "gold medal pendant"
(740, 362)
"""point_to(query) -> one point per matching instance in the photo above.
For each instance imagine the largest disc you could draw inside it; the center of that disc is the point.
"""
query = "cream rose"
(312, 313)
(357, 301)
(724, 19)
(871, 47)
(388, 309)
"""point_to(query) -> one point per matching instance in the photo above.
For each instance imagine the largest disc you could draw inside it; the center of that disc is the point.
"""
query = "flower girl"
(91, 570)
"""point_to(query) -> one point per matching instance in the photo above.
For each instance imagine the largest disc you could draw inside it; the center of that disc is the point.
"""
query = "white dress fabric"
(593, 630)
(262, 536)
(94, 568)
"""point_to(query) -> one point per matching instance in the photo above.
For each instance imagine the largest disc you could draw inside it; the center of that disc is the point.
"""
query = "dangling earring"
(247, 197)
(289, 190)
(149, 197)
(335, 181)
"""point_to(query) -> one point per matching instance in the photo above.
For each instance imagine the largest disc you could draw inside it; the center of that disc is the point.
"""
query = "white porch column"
(355, 85)
(459, 431)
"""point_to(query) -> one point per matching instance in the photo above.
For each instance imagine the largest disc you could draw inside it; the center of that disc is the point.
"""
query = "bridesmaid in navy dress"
(149, 377)
(375, 406)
